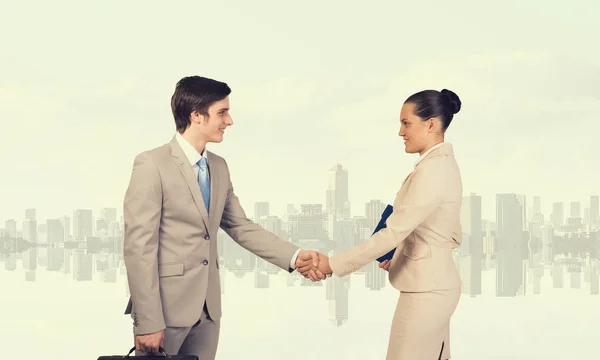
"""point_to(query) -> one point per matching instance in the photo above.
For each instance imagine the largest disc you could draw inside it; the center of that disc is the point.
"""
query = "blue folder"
(386, 213)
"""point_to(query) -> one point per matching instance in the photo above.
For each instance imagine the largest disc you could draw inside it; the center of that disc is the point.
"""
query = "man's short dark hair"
(195, 93)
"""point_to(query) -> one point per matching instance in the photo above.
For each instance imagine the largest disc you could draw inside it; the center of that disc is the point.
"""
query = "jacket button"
(205, 262)
(206, 237)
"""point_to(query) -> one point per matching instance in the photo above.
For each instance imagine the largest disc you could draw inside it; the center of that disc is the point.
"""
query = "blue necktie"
(204, 181)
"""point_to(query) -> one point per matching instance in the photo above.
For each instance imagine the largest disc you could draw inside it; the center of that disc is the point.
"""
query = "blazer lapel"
(215, 177)
(187, 173)
(405, 181)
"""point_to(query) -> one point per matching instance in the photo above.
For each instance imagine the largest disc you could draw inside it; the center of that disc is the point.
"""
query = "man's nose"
(229, 121)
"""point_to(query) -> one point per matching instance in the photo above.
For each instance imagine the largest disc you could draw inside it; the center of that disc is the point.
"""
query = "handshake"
(315, 266)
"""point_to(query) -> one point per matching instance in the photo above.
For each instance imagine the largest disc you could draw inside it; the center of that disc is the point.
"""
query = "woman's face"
(413, 129)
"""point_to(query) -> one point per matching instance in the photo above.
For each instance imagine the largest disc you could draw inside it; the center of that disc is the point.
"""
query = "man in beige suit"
(179, 195)
(424, 228)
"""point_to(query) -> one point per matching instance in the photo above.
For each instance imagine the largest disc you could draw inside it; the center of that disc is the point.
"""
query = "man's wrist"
(150, 332)
(294, 259)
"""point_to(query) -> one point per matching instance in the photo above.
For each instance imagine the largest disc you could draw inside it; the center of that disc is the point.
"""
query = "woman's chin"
(408, 149)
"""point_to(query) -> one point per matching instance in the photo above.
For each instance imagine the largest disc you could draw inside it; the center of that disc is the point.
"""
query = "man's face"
(212, 128)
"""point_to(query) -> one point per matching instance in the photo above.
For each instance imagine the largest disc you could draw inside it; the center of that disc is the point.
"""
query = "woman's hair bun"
(452, 100)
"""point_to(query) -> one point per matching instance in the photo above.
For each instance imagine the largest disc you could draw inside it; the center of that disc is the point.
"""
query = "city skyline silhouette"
(522, 244)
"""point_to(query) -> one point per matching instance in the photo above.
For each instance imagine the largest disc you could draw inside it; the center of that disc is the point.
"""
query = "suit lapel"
(187, 173)
(407, 177)
(405, 181)
(215, 177)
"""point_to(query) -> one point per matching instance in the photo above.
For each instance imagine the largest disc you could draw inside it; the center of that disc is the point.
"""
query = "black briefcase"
(162, 354)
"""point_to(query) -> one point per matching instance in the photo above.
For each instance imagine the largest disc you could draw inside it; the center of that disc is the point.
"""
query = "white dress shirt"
(191, 153)
(194, 156)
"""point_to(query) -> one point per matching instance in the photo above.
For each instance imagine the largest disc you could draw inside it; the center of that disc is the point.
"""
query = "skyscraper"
(473, 246)
(509, 245)
(261, 209)
(337, 202)
(558, 215)
(594, 211)
(82, 224)
(373, 211)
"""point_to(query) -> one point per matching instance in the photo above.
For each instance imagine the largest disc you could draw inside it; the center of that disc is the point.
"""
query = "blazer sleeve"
(142, 212)
(457, 236)
(426, 192)
(252, 236)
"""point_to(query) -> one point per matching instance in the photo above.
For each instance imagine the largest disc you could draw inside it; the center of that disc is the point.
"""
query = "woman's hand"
(385, 265)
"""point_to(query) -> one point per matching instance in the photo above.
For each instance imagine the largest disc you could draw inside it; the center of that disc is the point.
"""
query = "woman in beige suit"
(424, 228)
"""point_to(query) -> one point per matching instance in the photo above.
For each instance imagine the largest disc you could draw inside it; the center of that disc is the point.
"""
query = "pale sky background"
(85, 86)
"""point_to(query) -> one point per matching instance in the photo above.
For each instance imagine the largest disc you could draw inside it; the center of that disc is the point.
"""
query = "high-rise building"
(55, 232)
(509, 245)
(470, 219)
(261, 209)
(522, 199)
(82, 224)
(575, 212)
(108, 214)
(30, 233)
(11, 226)
(336, 195)
(594, 211)
(537, 206)
(66, 223)
(558, 215)
(373, 211)
(30, 214)
(310, 223)
(272, 224)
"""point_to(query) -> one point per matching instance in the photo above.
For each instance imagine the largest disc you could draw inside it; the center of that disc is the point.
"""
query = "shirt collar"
(189, 151)
(427, 152)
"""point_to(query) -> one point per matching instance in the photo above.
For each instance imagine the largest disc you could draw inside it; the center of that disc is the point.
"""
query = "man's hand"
(308, 260)
(322, 270)
(324, 266)
(385, 265)
(150, 343)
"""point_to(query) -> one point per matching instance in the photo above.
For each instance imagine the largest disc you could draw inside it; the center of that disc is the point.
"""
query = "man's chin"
(218, 138)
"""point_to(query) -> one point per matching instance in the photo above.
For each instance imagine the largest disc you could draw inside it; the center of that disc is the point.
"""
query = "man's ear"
(197, 118)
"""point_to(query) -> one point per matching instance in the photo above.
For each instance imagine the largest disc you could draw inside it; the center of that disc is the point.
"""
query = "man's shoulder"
(155, 153)
(214, 157)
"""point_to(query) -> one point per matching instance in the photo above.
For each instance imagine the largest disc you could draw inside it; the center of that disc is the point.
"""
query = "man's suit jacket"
(170, 248)
(424, 227)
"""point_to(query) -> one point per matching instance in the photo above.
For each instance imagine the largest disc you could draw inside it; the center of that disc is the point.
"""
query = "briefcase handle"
(160, 350)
